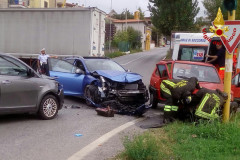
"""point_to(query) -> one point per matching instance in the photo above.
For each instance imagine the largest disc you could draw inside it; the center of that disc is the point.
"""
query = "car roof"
(9, 55)
(80, 57)
(186, 62)
(95, 58)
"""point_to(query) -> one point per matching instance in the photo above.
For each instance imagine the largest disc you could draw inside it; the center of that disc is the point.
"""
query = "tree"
(141, 13)
(130, 35)
(156, 35)
(123, 15)
(134, 37)
(212, 6)
(173, 15)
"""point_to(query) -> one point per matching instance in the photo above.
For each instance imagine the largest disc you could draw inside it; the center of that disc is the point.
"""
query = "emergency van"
(189, 46)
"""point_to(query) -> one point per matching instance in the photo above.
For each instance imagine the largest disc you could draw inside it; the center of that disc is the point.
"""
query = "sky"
(121, 5)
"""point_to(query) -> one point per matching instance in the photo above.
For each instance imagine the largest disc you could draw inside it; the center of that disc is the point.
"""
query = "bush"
(132, 36)
(115, 54)
(141, 147)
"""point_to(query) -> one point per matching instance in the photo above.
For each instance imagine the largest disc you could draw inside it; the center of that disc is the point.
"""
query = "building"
(28, 3)
(39, 4)
(3, 3)
(137, 24)
(63, 31)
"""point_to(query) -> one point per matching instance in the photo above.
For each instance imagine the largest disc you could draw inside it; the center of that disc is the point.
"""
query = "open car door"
(68, 75)
(164, 72)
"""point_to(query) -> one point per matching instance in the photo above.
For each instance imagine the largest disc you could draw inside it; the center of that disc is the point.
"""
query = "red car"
(206, 73)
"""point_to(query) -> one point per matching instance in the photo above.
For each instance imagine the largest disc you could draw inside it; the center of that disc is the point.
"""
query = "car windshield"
(202, 73)
(103, 64)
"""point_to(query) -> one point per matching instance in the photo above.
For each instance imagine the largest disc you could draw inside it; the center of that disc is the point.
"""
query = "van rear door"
(192, 53)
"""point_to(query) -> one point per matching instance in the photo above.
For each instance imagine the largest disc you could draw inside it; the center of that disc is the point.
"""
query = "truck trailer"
(63, 32)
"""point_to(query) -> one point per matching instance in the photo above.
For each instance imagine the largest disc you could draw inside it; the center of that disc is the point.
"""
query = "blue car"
(102, 82)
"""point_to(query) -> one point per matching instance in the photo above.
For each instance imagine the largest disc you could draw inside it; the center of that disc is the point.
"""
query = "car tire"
(91, 92)
(48, 108)
(153, 101)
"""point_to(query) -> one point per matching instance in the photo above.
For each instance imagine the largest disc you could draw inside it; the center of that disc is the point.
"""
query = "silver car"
(22, 90)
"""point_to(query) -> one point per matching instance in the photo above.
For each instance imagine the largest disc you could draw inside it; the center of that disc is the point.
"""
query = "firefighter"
(170, 105)
(177, 92)
(183, 87)
(211, 103)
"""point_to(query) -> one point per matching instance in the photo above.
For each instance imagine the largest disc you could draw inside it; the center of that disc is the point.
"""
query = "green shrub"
(115, 54)
(141, 147)
(135, 50)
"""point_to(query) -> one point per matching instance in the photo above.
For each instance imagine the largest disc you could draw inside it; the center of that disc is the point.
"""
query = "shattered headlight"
(103, 80)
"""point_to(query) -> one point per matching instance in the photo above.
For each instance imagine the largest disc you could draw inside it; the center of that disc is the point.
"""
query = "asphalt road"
(24, 137)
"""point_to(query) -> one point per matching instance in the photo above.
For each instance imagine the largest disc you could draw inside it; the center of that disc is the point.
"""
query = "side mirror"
(79, 71)
(128, 70)
(30, 73)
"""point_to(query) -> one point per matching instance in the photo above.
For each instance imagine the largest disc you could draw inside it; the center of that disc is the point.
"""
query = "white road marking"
(134, 60)
(90, 147)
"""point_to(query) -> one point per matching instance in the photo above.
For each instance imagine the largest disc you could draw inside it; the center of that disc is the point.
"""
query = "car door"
(164, 73)
(65, 74)
(18, 91)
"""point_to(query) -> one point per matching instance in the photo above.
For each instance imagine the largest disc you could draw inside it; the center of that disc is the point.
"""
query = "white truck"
(189, 46)
(74, 31)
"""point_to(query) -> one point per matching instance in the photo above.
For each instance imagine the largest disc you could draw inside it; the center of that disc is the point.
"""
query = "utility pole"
(126, 19)
(110, 34)
(228, 63)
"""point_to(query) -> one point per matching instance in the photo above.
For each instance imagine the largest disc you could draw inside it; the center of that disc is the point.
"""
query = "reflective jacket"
(183, 87)
(166, 87)
(210, 104)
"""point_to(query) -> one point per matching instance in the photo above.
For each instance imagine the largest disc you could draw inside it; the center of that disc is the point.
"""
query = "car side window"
(163, 71)
(70, 61)
(12, 67)
(80, 65)
(169, 66)
(157, 73)
(58, 65)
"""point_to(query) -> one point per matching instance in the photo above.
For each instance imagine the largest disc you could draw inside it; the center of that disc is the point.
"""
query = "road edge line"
(90, 147)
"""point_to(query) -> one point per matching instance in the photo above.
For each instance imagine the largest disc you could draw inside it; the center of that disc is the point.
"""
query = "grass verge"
(169, 55)
(186, 141)
(115, 54)
(119, 53)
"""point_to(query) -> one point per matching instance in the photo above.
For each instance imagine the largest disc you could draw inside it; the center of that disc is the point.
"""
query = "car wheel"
(153, 101)
(91, 94)
(48, 108)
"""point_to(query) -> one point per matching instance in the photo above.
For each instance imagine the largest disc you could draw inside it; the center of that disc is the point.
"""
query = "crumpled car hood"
(119, 76)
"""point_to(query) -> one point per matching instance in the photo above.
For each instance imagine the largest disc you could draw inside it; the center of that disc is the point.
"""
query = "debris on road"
(78, 135)
(106, 112)
(72, 106)
(75, 107)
